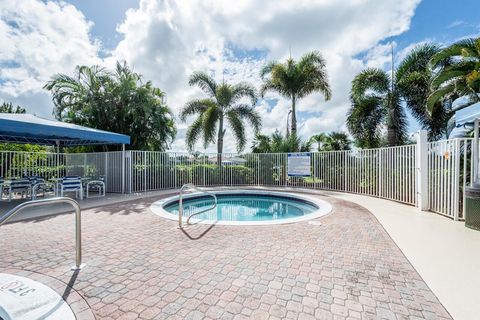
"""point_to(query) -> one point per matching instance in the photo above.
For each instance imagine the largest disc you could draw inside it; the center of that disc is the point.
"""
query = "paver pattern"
(141, 266)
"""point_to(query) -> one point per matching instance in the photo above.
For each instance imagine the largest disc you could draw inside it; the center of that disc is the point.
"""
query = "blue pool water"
(244, 207)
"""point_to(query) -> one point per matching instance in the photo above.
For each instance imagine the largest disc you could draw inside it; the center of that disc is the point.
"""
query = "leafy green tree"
(332, 141)
(296, 80)
(459, 75)
(118, 101)
(223, 103)
(7, 107)
(277, 143)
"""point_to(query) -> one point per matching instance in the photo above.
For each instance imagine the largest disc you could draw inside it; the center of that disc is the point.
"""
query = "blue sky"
(166, 40)
(434, 20)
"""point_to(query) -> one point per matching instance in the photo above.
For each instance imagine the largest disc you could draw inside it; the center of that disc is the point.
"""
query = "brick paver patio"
(141, 266)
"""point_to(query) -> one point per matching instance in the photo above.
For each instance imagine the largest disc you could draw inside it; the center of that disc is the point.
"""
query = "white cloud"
(167, 40)
(38, 40)
(455, 23)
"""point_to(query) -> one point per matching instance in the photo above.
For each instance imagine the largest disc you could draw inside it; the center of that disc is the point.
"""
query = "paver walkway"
(141, 266)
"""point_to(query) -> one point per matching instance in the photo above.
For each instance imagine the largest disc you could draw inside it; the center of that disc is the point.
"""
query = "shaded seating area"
(31, 129)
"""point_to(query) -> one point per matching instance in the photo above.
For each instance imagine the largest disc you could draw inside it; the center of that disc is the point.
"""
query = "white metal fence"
(450, 164)
(389, 173)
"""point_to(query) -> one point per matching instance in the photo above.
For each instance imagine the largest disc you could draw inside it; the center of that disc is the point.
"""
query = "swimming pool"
(244, 207)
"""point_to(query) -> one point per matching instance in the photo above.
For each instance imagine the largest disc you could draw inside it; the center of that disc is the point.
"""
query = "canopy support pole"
(123, 168)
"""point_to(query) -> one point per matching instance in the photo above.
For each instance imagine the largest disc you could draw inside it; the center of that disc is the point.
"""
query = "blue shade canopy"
(27, 128)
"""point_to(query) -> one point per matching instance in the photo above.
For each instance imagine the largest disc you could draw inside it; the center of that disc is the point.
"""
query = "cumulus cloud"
(38, 40)
(167, 40)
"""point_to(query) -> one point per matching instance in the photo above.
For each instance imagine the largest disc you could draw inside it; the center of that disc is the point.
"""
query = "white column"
(422, 170)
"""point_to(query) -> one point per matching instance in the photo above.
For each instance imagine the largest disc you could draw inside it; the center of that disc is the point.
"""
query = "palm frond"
(210, 118)
(267, 69)
(204, 82)
(438, 95)
(370, 82)
(458, 69)
(238, 128)
(465, 47)
(248, 113)
(194, 132)
(195, 107)
(417, 60)
(244, 90)
(364, 121)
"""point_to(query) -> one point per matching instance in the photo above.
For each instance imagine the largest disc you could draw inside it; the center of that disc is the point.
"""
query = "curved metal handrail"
(78, 221)
(180, 203)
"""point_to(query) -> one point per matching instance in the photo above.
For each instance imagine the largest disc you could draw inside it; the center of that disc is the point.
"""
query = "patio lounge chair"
(18, 186)
(71, 184)
(96, 186)
(40, 186)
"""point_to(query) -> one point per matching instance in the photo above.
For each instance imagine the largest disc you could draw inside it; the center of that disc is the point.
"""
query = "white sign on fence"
(299, 164)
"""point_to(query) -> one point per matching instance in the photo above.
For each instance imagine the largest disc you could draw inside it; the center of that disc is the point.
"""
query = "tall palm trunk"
(294, 116)
(221, 133)
(392, 136)
(393, 118)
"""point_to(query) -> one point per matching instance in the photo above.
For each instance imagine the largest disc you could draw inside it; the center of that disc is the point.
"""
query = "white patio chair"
(96, 185)
(40, 186)
(71, 184)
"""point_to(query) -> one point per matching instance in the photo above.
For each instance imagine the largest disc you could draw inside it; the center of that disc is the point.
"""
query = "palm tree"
(224, 102)
(376, 102)
(414, 77)
(332, 141)
(296, 80)
(460, 74)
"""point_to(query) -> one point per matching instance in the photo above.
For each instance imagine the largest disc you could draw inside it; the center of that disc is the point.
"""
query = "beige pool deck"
(368, 259)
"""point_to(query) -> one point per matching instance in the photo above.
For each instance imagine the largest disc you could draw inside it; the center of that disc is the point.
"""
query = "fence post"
(345, 170)
(475, 152)
(379, 173)
(144, 171)
(422, 170)
(456, 180)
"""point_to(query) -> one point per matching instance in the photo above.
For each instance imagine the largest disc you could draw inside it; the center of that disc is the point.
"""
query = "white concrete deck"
(444, 252)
